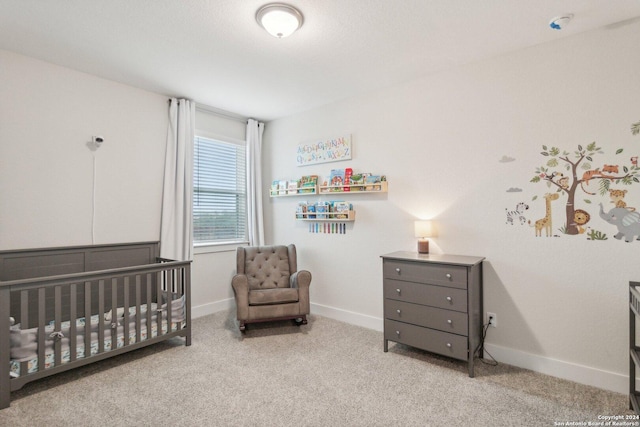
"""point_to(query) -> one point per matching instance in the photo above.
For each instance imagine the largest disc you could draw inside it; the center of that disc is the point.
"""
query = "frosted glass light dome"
(280, 20)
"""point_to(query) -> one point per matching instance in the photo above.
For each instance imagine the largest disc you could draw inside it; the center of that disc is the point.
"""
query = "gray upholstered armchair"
(268, 286)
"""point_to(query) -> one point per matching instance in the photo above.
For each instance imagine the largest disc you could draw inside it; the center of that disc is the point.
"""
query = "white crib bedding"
(24, 346)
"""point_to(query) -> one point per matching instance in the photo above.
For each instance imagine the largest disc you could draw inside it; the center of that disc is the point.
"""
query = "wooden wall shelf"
(378, 187)
(327, 216)
(302, 191)
(330, 190)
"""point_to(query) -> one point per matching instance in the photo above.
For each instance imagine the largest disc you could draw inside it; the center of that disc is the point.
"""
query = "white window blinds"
(219, 191)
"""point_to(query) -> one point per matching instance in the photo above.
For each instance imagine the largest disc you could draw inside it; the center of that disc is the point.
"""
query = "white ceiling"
(215, 53)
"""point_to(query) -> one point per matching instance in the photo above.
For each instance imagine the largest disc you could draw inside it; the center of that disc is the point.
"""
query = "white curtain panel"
(176, 232)
(254, 182)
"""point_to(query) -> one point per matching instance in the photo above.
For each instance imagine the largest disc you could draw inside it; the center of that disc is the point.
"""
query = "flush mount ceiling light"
(279, 19)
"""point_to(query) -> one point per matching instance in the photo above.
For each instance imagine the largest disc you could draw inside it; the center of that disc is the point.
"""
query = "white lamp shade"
(423, 228)
(280, 20)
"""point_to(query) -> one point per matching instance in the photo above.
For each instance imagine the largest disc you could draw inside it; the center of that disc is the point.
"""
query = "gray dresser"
(434, 302)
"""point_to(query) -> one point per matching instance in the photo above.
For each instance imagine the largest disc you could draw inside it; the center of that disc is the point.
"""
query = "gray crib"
(62, 308)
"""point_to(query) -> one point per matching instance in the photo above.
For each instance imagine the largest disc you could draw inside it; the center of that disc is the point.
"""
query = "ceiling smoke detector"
(279, 19)
(560, 22)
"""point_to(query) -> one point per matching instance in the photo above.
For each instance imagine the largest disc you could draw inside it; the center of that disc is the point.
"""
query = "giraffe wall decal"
(546, 221)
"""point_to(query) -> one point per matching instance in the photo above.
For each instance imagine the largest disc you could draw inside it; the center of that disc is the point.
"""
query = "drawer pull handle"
(448, 275)
(398, 311)
(449, 344)
(449, 299)
(398, 333)
(398, 270)
(449, 321)
(398, 291)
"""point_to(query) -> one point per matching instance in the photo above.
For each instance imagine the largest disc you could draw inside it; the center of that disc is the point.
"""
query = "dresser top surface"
(465, 260)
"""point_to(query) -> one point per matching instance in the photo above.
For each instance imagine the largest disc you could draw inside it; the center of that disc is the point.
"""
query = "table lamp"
(422, 231)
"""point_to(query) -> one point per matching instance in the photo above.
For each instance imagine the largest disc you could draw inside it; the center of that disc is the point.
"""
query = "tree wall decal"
(569, 172)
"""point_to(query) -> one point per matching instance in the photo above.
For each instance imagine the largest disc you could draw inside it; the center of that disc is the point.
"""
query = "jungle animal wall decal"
(585, 172)
(517, 213)
(581, 217)
(546, 222)
(617, 197)
(628, 222)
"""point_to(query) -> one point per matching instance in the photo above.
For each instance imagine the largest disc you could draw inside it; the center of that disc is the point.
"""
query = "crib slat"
(170, 280)
(148, 306)
(114, 312)
(41, 317)
(73, 314)
(138, 313)
(100, 316)
(57, 342)
(24, 319)
(159, 280)
(180, 291)
(87, 318)
(24, 309)
(5, 379)
(126, 310)
(187, 303)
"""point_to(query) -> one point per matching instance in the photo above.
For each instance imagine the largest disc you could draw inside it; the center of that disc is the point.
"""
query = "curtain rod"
(221, 113)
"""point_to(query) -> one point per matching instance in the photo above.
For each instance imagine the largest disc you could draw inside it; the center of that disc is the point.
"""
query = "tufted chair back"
(267, 267)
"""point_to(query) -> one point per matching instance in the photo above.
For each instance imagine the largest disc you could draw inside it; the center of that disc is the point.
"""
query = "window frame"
(221, 245)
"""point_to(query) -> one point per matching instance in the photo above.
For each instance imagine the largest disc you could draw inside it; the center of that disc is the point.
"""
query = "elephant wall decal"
(628, 222)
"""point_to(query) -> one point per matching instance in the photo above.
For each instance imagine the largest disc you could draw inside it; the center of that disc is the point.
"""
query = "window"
(219, 191)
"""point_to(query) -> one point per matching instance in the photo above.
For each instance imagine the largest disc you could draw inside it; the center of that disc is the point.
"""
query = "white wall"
(48, 114)
(561, 302)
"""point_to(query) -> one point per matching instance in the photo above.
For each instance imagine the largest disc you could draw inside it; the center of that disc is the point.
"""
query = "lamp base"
(423, 246)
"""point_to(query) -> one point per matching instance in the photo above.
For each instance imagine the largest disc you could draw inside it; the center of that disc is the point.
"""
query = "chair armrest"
(240, 285)
(300, 279)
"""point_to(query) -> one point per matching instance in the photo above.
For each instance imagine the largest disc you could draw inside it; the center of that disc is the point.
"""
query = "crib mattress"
(112, 340)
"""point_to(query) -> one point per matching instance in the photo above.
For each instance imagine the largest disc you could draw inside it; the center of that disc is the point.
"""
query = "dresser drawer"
(454, 276)
(450, 345)
(430, 317)
(434, 296)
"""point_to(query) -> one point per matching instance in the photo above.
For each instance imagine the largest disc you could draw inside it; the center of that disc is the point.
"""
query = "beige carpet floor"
(326, 373)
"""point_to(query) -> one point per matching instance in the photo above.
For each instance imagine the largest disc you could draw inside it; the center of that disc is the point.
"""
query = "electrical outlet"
(492, 319)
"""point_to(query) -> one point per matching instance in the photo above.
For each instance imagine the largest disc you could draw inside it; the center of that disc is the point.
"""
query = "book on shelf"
(282, 187)
(341, 209)
(336, 179)
(322, 208)
(347, 178)
(301, 210)
(308, 183)
(357, 179)
(311, 211)
(371, 181)
(292, 187)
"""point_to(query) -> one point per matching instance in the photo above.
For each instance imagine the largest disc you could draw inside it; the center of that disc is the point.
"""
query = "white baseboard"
(370, 322)
(587, 375)
(212, 307)
(611, 381)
